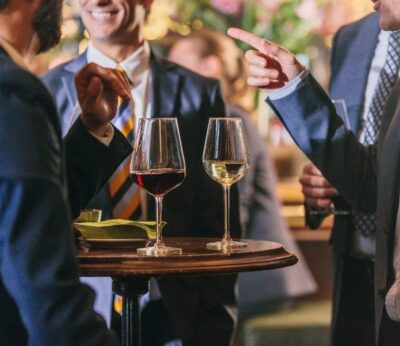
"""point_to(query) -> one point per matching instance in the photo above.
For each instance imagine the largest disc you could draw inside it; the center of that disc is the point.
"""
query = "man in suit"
(41, 299)
(203, 309)
(354, 78)
(366, 176)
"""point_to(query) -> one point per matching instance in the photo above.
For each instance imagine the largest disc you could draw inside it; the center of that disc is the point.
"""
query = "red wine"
(158, 182)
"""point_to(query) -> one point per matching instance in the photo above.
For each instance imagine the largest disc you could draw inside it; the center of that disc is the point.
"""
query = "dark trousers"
(353, 321)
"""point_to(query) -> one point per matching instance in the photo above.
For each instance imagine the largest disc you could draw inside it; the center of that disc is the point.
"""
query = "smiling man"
(42, 301)
(203, 310)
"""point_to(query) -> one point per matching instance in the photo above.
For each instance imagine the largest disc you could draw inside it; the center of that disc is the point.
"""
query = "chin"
(389, 24)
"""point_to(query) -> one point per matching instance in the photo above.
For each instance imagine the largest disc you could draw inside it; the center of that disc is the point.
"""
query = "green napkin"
(117, 229)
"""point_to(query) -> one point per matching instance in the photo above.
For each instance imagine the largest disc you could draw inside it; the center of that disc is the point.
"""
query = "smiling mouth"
(102, 15)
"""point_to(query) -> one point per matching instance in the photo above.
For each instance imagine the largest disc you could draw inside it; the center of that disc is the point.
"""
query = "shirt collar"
(13, 54)
(134, 66)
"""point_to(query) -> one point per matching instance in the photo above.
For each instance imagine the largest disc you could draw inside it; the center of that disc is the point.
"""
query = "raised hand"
(271, 66)
(99, 90)
(317, 191)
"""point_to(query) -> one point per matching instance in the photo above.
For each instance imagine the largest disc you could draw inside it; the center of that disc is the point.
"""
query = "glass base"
(159, 251)
(225, 244)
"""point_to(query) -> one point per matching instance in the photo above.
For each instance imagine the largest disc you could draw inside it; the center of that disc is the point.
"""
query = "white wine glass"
(225, 159)
(158, 166)
(337, 202)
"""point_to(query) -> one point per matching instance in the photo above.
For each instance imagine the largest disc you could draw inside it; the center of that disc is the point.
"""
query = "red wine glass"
(158, 166)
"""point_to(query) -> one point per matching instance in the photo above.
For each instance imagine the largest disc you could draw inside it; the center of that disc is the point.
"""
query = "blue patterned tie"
(365, 223)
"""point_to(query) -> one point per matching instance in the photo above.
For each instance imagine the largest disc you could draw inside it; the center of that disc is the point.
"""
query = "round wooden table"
(131, 273)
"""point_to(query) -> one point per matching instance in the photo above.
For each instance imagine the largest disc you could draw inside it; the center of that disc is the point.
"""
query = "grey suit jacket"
(367, 177)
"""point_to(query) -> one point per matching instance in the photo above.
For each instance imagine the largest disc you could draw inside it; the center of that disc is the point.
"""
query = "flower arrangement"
(292, 23)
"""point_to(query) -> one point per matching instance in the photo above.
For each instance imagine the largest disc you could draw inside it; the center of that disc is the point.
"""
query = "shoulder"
(18, 83)
(368, 22)
(67, 69)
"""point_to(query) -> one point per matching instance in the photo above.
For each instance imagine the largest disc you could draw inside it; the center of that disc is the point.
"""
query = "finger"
(316, 192)
(258, 72)
(246, 37)
(256, 58)
(314, 181)
(112, 78)
(264, 46)
(319, 203)
(309, 168)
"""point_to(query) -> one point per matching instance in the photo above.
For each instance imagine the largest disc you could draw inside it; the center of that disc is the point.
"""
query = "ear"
(212, 66)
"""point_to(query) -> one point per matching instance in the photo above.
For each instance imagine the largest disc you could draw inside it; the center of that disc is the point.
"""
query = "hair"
(3, 4)
(234, 68)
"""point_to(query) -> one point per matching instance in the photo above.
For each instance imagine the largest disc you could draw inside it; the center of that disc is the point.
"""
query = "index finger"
(246, 37)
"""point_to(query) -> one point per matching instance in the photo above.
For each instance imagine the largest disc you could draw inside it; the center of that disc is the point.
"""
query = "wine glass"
(337, 201)
(225, 159)
(158, 166)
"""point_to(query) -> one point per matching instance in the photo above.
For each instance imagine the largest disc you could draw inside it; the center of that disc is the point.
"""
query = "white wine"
(225, 172)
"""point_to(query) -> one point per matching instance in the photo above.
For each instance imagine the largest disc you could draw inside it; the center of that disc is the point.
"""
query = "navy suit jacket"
(352, 53)
(367, 177)
(195, 208)
(40, 295)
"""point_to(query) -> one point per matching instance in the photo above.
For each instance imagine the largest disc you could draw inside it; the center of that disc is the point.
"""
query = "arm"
(37, 257)
(309, 116)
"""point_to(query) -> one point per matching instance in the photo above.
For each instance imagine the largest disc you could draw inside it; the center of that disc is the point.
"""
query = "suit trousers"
(355, 319)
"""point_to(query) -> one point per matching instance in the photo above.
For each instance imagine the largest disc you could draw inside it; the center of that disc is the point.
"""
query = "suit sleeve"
(89, 163)
(37, 257)
(312, 122)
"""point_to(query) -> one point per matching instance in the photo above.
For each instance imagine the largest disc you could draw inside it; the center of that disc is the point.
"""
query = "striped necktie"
(365, 223)
(125, 195)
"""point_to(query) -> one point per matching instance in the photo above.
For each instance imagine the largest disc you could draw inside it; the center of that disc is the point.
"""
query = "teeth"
(101, 15)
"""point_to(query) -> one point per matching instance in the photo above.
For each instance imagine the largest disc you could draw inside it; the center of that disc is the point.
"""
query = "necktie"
(125, 195)
(365, 223)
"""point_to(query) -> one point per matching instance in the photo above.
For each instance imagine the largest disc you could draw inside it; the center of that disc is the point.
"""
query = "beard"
(47, 25)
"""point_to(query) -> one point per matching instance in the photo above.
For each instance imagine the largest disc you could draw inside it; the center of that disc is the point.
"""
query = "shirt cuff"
(107, 137)
(289, 87)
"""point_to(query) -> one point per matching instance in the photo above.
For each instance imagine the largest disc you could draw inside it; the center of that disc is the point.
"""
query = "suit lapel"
(165, 85)
(350, 80)
(68, 79)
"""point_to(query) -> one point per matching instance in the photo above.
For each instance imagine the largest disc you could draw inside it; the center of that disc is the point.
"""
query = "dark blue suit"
(353, 314)
(40, 296)
(193, 209)
(367, 177)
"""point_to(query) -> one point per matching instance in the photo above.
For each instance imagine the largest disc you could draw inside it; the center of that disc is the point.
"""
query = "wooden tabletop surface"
(122, 261)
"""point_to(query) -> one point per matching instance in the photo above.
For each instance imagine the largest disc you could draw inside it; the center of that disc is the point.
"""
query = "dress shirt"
(361, 245)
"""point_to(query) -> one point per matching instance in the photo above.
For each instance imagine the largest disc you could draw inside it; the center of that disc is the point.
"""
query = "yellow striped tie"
(125, 195)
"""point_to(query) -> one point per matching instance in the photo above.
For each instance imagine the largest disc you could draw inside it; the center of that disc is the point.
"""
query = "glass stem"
(227, 234)
(159, 240)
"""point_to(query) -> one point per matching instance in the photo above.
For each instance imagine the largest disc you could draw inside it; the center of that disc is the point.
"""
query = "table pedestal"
(131, 289)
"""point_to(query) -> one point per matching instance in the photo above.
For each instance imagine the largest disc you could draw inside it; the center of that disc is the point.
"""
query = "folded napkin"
(117, 229)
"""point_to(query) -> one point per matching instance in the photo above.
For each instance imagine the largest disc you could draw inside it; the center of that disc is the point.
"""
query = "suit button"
(382, 292)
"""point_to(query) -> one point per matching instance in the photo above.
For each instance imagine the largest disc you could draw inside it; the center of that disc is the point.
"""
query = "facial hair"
(47, 25)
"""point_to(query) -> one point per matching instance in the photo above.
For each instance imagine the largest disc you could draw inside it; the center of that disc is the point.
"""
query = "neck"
(117, 52)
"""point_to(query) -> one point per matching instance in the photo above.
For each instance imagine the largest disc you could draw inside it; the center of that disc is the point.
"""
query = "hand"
(98, 92)
(316, 189)
(271, 66)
